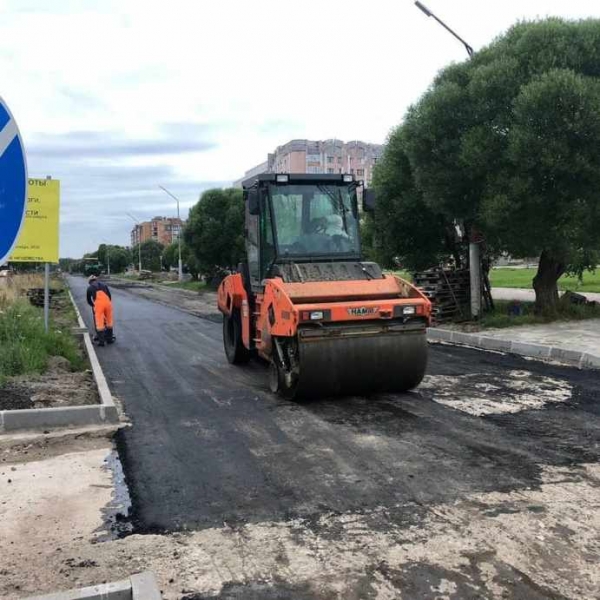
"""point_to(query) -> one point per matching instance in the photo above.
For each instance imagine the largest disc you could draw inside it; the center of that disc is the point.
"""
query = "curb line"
(67, 416)
(581, 360)
(142, 586)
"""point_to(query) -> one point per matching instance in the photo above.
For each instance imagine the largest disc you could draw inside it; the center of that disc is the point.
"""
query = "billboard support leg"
(46, 295)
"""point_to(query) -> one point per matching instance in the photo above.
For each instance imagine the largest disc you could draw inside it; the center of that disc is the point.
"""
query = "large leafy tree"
(118, 257)
(151, 251)
(405, 230)
(215, 230)
(170, 255)
(170, 258)
(508, 144)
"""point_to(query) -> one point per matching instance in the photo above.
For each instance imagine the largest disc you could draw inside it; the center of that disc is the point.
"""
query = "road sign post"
(46, 296)
(13, 182)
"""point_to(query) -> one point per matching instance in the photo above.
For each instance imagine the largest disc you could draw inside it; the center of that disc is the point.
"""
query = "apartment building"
(165, 230)
(327, 156)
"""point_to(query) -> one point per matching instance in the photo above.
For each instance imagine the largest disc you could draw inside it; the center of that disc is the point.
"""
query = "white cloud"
(245, 75)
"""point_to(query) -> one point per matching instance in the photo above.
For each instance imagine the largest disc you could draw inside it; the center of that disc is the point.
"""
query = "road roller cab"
(325, 320)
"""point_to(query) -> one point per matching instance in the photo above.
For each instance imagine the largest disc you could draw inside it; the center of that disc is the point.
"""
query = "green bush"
(24, 345)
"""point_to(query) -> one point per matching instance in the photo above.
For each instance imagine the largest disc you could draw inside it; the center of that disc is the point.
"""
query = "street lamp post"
(180, 264)
(139, 240)
(428, 13)
(474, 252)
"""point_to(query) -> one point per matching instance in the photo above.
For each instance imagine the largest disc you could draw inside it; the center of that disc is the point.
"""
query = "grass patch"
(522, 278)
(195, 286)
(402, 274)
(24, 345)
(501, 316)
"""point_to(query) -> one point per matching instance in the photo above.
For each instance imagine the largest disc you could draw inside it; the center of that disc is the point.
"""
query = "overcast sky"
(115, 97)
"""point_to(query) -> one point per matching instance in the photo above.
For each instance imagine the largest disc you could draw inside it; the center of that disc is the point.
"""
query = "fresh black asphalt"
(210, 445)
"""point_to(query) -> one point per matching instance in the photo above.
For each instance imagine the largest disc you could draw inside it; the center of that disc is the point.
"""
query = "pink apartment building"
(328, 156)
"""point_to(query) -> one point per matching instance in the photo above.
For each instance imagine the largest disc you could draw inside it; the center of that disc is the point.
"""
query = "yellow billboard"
(38, 240)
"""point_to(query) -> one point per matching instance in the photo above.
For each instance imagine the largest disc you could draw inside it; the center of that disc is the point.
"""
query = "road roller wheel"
(235, 350)
(281, 382)
(273, 377)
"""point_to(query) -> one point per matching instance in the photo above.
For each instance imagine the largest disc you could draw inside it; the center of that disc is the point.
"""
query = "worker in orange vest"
(99, 298)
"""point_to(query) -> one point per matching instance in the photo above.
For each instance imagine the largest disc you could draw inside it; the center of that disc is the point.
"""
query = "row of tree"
(154, 257)
(213, 240)
(506, 146)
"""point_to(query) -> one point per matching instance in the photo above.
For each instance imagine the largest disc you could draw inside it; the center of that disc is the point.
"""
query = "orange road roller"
(327, 322)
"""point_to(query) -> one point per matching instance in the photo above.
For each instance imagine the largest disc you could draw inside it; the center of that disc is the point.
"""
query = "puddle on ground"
(492, 394)
(116, 514)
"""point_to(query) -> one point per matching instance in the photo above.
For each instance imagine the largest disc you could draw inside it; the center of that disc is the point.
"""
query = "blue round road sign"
(13, 182)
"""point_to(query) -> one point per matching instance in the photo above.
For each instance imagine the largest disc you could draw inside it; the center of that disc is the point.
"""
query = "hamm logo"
(363, 311)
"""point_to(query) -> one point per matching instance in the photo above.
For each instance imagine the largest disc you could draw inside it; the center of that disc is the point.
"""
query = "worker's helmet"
(92, 278)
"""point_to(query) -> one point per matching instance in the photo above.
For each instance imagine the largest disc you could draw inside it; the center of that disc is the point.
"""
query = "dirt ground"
(59, 386)
(61, 501)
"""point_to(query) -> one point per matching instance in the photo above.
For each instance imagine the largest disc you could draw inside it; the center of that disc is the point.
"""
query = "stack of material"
(449, 292)
(36, 296)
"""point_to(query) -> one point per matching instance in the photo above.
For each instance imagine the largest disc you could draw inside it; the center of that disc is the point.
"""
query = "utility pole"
(139, 239)
(180, 264)
(474, 250)
(107, 257)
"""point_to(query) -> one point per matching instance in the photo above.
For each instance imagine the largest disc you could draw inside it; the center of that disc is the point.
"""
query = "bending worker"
(99, 298)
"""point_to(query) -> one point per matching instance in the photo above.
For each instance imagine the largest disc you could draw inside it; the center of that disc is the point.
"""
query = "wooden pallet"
(449, 292)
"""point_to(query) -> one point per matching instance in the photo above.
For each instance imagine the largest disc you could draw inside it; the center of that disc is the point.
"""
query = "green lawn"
(522, 278)
(402, 274)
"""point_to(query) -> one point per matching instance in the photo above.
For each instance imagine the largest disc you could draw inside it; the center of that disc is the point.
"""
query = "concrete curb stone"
(591, 361)
(68, 416)
(490, 343)
(535, 350)
(540, 351)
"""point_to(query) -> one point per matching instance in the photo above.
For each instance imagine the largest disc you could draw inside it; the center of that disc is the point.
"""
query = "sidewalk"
(529, 295)
(571, 342)
(579, 336)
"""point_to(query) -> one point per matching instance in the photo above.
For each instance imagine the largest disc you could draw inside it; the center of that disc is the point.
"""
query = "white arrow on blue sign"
(13, 182)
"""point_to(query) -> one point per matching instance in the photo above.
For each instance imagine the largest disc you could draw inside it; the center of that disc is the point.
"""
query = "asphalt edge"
(581, 360)
(68, 416)
(141, 586)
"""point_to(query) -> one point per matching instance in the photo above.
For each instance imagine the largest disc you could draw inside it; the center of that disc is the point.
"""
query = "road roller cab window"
(315, 221)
